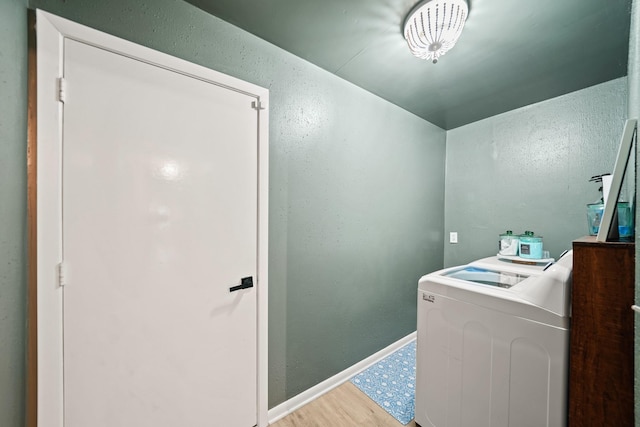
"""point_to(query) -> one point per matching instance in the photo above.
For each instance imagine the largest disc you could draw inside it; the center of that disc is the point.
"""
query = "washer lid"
(513, 264)
(501, 279)
(546, 291)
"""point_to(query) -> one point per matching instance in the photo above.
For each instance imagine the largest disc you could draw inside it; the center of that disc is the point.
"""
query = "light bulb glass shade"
(433, 27)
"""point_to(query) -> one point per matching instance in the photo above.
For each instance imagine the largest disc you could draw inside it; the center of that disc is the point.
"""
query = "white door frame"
(51, 33)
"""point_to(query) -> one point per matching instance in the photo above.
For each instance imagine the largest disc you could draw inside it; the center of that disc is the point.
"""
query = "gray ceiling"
(511, 53)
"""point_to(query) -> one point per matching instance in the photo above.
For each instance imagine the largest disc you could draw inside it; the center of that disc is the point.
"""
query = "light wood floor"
(344, 406)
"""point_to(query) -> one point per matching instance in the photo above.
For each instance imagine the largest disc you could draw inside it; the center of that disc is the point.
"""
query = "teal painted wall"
(528, 169)
(356, 192)
(13, 190)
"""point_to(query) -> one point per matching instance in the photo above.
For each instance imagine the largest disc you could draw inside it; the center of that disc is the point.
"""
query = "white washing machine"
(493, 340)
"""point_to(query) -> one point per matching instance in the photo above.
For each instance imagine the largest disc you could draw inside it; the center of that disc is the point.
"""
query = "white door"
(159, 208)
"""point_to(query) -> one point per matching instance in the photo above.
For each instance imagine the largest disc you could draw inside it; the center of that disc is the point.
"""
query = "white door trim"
(51, 32)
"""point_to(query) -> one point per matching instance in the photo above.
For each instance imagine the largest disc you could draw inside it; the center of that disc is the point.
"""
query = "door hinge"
(62, 89)
(257, 105)
(62, 273)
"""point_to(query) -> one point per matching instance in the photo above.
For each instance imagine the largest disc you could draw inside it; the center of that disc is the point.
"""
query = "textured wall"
(527, 169)
(356, 191)
(13, 190)
(356, 188)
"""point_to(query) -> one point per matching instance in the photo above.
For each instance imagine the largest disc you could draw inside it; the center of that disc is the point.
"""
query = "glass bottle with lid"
(596, 209)
(508, 244)
(530, 245)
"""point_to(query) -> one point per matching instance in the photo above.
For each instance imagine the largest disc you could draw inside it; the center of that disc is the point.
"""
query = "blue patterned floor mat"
(391, 383)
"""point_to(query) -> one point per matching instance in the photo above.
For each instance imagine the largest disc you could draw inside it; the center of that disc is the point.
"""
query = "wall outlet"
(453, 237)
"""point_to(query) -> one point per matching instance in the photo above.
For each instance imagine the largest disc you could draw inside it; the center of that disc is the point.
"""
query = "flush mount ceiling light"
(433, 27)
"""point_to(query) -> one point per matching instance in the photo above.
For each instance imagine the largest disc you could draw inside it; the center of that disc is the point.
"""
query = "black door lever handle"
(245, 283)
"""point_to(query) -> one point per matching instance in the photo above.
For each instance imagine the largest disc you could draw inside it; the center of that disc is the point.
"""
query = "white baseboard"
(298, 401)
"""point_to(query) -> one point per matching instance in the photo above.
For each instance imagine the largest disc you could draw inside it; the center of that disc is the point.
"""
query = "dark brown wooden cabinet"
(602, 331)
